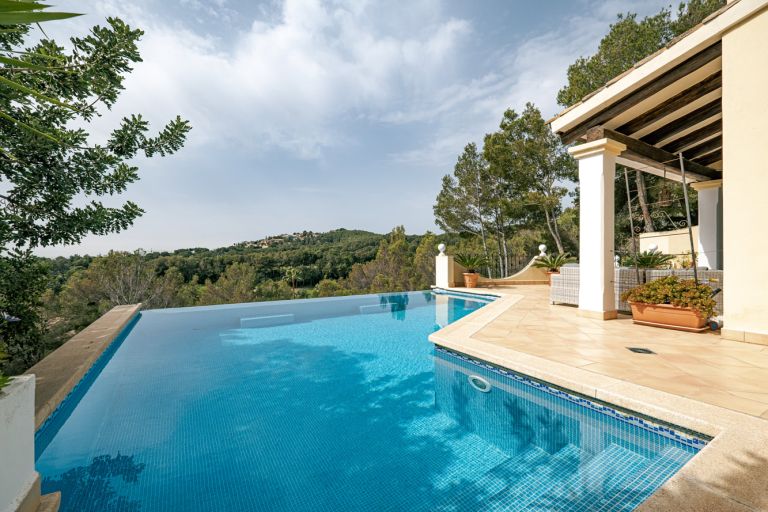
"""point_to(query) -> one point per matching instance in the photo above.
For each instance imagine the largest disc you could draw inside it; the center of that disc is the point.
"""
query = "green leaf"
(14, 6)
(26, 18)
(29, 128)
(33, 92)
(21, 64)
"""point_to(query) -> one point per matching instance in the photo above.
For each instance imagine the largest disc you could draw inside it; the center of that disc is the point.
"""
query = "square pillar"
(710, 250)
(597, 169)
(444, 271)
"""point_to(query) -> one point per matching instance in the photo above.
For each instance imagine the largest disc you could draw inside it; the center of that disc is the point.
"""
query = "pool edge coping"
(57, 374)
(700, 479)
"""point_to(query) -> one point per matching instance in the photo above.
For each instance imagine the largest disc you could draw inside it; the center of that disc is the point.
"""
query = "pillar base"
(744, 336)
(599, 315)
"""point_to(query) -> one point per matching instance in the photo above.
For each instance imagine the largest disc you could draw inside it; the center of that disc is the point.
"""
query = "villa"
(520, 402)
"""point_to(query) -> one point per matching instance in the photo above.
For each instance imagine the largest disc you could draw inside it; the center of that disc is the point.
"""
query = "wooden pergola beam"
(676, 102)
(711, 158)
(652, 156)
(645, 92)
(704, 148)
(695, 136)
(684, 122)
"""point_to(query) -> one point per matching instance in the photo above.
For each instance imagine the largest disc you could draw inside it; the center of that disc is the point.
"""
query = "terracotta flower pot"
(667, 315)
(470, 279)
(549, 276)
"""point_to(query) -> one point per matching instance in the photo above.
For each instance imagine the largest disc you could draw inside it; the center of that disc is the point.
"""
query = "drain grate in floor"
(640, 350)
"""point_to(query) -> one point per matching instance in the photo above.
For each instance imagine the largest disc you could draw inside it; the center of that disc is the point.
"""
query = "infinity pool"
(335, 404)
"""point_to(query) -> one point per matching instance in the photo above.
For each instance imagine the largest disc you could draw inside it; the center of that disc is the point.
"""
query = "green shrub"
(684, 293)
(471, 262)
(553, 262)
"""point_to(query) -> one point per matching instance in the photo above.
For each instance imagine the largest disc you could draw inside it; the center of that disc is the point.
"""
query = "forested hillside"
(299, 265)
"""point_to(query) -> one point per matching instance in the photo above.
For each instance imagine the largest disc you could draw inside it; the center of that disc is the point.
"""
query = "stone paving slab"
(58, 373)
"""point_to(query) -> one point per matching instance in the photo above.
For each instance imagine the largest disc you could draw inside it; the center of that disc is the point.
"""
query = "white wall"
(17, 442)
(745, 180)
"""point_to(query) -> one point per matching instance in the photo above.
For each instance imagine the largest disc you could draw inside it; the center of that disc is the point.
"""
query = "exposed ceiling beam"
(695, 136)
(676, 102)
(711, 158)
(683, 123)
(645, 92)
(704, 148)
(654, 157)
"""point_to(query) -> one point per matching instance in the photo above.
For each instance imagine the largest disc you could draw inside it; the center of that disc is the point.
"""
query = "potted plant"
(672, 302)
(470, 262)
(552, 263)
(649, 260)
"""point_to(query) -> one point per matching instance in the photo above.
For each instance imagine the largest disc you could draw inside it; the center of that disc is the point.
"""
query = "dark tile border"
(698, 441)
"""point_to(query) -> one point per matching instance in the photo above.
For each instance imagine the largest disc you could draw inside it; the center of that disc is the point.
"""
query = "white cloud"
(286, 82)
(533, 71)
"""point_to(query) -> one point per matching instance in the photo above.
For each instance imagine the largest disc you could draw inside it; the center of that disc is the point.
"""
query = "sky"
(316, 115)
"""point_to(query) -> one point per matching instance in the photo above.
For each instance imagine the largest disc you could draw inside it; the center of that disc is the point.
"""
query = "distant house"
(706, 96)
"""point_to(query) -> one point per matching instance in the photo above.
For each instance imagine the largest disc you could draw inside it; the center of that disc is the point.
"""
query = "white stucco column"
(444, 271)
(597, 168)
(710, 250)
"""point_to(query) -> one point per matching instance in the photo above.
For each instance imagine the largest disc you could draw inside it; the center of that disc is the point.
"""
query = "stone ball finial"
(441, 248)
(542, 250)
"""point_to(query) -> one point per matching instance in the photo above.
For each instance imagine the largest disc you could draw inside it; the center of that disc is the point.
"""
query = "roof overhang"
(669, 103)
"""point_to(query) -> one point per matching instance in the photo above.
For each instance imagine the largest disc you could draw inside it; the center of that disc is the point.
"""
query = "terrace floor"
(702, 367)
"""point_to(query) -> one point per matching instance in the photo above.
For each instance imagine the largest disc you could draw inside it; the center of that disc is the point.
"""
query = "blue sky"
(324, 114)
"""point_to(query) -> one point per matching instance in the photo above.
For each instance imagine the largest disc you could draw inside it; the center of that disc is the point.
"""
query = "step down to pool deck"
(267, 320)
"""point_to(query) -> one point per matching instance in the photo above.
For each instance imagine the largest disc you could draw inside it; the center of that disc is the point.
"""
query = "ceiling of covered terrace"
(666, 104)
(679, 111)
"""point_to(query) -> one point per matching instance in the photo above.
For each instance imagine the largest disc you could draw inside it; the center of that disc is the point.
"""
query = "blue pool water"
(333, 404)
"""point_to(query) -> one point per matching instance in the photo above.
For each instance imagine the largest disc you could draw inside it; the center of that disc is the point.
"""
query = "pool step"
(657, 471)
(596, 480)
(540, 479)
(267, 320)
(471, 495)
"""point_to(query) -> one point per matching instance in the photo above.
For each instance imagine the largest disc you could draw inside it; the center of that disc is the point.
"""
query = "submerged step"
(540, 478)
(635, 489)
(375, 308)
(267, 320)
(594, 482)
(467, 496)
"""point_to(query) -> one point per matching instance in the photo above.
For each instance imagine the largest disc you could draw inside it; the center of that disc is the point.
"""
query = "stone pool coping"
(60, 371)
(729, 474)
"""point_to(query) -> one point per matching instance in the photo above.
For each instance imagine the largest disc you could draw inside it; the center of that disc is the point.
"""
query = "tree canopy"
(54, 172)
(629, 41)
(509, 197)
(48, 159)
